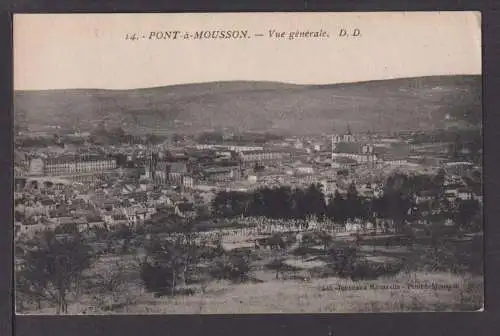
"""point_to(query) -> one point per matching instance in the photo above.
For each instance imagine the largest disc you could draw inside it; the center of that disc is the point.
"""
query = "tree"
(325, 238)
(51, 267)
(221, 204)
(235, 267)
(169, 260)
(397, 199)
(315, 201)
(240, 203)
(277, 264)
(231, 204)
(438, 181)
(466, 211)
(337, 208)
(397, 207)
(111, 281)
(353, 203)
(277, 242)
(162, 274)
(344, 260)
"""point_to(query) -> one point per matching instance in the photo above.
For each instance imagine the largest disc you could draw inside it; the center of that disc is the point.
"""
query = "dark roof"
(263, 151)
(455, 186)
(214, 170)
(185, 206)
(76, 157)
(426, 193)
(349, 147)
(178, 167)
(345, 160)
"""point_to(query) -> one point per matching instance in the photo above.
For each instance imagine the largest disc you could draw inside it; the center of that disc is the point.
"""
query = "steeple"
(348, 132)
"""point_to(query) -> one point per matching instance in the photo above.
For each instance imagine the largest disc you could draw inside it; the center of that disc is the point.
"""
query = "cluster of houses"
(110, 206)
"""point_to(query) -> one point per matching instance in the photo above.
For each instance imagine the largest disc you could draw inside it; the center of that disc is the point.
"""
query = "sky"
(67, 51)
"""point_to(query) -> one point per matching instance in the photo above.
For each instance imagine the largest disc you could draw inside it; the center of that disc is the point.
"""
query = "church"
(349, 146)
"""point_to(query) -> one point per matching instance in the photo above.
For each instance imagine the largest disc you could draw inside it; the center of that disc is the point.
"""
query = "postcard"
(248, 163)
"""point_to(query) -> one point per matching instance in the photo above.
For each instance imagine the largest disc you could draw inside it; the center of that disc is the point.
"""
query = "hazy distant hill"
(412, 103)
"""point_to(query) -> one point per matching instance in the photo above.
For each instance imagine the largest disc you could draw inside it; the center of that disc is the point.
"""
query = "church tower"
(348, 137)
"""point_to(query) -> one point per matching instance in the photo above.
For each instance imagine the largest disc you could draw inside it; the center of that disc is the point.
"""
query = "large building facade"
(262, 157)
(70, 165)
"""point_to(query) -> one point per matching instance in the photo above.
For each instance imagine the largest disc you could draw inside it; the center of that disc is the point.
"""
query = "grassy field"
(316, 296)
(421, 277)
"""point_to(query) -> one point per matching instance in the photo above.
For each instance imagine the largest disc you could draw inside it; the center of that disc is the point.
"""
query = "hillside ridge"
(418, 102)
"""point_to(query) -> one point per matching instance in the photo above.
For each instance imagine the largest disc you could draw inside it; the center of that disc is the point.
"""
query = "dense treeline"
(396, 203)
(281, 202)
(287, 203)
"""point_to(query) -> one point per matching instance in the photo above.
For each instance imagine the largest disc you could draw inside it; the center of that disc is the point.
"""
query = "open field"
(403, 277)
(316, 296)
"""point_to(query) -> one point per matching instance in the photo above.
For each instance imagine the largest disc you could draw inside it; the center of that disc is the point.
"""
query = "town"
(246, 192)
(124, 184)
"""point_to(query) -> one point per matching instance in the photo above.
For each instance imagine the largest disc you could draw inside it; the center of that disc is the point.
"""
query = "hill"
(389, 105)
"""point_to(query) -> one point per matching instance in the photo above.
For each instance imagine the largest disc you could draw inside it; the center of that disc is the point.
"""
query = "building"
(175, 171)
(395, 154)
(464, 194)
(221, 174)
(233, 148)
(36, 167)
(348, 148)
(458, 168)
(68, 165)
(425, 196)
(304, 169)
(188, 182)
(253, 157)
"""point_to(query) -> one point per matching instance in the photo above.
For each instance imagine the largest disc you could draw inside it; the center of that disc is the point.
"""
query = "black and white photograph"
(248, 163)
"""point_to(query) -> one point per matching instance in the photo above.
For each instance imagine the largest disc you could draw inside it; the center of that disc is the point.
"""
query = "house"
(187, 182)
(221, 174)
(117, 219)
(366, 190)
(98, 224)
(175, 172)
(135, 214)
(187, 209)
(344, 163)
(425, 196)
(303, 169)
(262, 156)
(451, 194)
(464, 194)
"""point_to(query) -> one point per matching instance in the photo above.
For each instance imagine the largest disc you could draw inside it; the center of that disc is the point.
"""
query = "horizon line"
(246, 81)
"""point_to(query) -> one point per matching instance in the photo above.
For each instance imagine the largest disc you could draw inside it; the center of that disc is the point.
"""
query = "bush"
(156, 278)
(210, 253)
(322, 272)
(234, 268)
(310, 238)
(344, 260)
(305, 250)
(347, 263)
